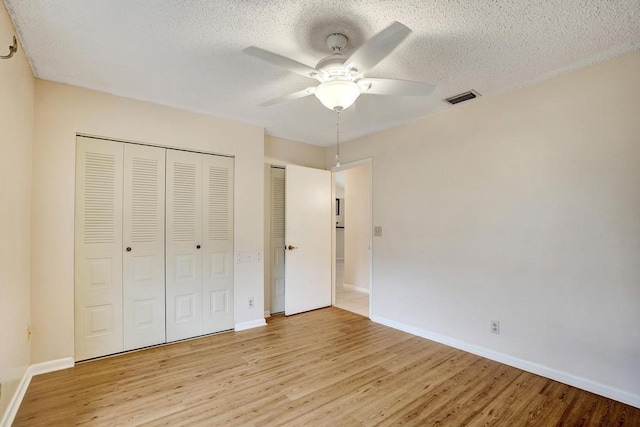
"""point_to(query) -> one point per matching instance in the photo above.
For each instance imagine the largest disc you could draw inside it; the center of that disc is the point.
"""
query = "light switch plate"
(377, 231)
(249, 256)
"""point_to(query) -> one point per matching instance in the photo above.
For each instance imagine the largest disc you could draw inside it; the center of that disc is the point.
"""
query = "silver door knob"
(291, 247)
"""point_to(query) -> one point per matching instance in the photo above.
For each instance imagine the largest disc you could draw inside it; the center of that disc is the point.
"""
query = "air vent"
(466, 96)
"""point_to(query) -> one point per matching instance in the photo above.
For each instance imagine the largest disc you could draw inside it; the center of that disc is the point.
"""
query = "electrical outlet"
(495, 327)
(251, 303)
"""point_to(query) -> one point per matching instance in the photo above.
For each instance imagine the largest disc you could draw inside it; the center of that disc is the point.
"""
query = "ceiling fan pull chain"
(338, 139)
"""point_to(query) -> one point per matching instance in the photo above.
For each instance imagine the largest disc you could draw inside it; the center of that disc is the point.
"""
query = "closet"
(277, 239)
(153, 246)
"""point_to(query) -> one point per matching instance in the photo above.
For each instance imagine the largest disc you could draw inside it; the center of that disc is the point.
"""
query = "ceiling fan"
(343, 79)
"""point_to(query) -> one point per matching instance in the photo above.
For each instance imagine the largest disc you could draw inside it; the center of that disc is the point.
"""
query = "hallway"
(348, 298)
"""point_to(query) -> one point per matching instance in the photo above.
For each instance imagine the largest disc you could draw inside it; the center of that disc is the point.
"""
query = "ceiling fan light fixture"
(338, 95)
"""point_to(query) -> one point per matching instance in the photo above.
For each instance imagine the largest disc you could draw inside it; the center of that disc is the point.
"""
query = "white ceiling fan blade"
(378, 86)
(377, 47)
(282, 61)
(290, 97)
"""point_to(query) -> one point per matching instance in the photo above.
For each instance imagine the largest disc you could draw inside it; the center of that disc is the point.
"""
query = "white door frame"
(334, 169)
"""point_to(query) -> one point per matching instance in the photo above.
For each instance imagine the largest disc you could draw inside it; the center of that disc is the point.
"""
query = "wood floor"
(329, 367)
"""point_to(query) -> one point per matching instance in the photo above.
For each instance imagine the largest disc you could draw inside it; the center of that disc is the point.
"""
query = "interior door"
(98, 248)
(183, 254)
(277, 240)
(143, 241)
(308, 239)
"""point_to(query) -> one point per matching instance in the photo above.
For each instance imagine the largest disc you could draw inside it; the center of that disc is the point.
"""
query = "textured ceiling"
(188, 54)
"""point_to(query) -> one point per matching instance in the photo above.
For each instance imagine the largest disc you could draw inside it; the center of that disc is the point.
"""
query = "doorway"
(300, 239)
(353, 237)
(350, 270)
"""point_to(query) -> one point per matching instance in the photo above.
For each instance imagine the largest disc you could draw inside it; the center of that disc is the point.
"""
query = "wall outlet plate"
(495, 327)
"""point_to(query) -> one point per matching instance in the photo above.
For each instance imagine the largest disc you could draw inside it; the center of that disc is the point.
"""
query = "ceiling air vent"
(466, 96)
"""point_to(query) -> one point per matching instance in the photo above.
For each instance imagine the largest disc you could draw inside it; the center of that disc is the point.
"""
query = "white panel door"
(277, 240)
(308, 234)
(183, 245)
(217, 243)
(98, 248)
(143, 241)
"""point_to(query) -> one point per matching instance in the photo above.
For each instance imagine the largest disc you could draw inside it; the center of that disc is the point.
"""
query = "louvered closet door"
(98, 248)
(217, 243)
(277, 240)
(143, 240)
(183, 245)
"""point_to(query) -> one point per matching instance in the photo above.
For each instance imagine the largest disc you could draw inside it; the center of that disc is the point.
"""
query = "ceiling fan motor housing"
(337, 41)
(332, 65)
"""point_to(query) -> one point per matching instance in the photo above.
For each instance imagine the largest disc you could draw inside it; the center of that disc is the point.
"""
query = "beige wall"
(522, 208)
(16, 142)
(281, 152)
(357, 228)
(61, 112)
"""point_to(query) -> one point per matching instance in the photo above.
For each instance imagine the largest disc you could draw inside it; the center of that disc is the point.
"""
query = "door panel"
(217, 243)
(183, 255)
(98, 248)
(277, 239)
(308, 228)
(143, 264)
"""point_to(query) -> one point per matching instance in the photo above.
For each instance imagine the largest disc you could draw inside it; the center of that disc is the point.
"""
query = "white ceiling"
(188, 54)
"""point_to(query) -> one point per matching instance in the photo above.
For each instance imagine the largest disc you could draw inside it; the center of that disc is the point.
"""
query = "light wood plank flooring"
(328, 367)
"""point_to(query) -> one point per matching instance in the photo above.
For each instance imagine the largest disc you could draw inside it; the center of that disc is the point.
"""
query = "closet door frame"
(221, 305)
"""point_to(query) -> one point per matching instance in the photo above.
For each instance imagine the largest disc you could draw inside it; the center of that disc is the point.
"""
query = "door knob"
(291, 247)
(128, 249)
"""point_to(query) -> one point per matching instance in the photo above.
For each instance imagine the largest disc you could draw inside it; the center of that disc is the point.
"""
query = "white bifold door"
(98, 248)
(199, 250)
(119, 246)
(153, 246)
(143, 240)
(277, 240)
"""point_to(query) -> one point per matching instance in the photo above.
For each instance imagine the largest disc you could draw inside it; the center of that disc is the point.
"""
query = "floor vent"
(466, 96)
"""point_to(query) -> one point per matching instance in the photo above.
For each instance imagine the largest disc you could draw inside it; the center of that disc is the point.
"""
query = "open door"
(307, 239)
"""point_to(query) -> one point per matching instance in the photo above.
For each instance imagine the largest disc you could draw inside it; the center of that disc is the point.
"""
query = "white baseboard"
(563, 377)
(267, 314)
(16, 400)
(52, 365)
(37, 369)
(355, 288)
(249, 325)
